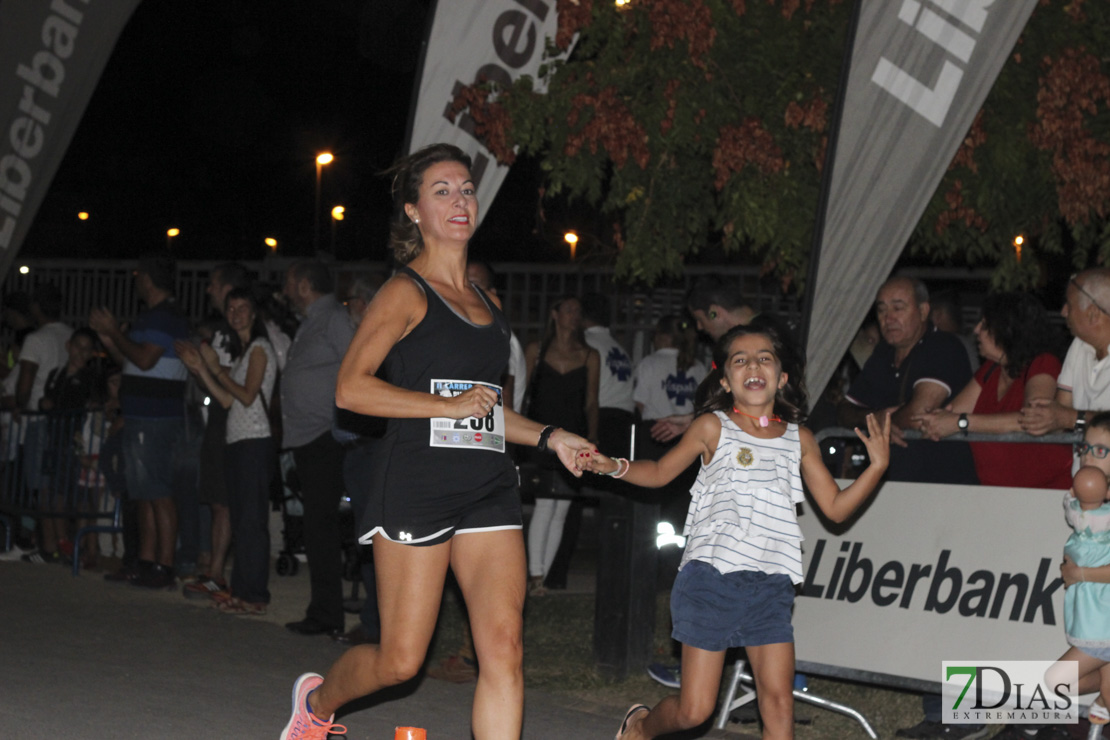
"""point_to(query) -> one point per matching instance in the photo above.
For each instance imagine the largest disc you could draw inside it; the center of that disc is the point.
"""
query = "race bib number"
(487, 433)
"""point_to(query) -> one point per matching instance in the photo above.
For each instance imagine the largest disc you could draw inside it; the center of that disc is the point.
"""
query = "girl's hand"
(877, 440)
(477, 401)
(1070, 572)
(599, 463)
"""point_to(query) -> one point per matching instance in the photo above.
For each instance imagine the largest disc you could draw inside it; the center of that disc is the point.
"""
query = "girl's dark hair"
(1019, 326)
(235, 345)
(790, 400)
(408, 175)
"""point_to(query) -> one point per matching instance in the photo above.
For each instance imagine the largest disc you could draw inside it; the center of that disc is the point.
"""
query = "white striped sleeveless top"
(742, 514)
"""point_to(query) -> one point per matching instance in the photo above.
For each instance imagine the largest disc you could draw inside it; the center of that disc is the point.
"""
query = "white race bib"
(486, 433)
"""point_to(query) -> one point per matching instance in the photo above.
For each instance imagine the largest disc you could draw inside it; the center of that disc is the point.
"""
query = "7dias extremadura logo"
(1009, 691)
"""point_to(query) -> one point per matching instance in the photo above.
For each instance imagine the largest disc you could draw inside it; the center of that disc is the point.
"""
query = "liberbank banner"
(929, 573)
(470, 41)
(51, 56)
(919, 73)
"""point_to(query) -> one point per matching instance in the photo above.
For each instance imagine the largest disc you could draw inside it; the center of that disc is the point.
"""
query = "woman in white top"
(251, 451)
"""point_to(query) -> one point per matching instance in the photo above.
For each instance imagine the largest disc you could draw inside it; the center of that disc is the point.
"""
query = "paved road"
(81, 658)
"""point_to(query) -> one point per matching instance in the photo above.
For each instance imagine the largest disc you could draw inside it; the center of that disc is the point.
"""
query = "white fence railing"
(526, 290)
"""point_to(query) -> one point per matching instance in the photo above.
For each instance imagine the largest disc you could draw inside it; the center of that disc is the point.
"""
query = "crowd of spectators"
(256, 378)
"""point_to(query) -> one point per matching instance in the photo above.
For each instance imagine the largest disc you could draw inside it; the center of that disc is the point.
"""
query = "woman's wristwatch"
(962, 424)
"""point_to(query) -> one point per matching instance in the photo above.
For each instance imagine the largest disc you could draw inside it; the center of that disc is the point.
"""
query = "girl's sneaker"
(303, 725)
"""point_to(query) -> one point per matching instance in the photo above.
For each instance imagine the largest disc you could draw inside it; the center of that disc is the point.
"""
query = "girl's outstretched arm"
(836, 504)
(699, 440)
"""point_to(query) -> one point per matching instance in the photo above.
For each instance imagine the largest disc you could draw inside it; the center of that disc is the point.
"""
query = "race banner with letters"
(918, 74)
(487, 433)
(927, 573)
(51, 57)
(494, 40)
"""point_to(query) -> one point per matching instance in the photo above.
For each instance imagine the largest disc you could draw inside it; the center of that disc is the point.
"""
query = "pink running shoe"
(303, 725)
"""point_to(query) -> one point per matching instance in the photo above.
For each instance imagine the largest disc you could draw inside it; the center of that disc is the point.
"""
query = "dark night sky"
(209, 116)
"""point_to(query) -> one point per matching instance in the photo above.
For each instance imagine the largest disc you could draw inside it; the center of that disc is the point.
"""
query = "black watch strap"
(544, 436)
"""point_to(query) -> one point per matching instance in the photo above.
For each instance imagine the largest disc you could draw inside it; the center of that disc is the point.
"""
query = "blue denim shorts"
(714, 611)
(1098, 653)
(148, 450)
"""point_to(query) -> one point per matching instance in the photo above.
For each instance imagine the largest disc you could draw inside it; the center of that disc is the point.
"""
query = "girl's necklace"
(764, 421)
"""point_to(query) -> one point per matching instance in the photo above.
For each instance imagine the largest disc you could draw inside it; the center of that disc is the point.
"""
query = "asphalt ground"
(84, 658)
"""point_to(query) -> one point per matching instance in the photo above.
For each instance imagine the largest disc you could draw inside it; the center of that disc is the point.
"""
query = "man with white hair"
(1083, 387)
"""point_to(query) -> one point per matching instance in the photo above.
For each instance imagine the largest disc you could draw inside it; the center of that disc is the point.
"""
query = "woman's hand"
(597, 462)
(211, 359)
(189, 355)
(568, 446)
(877, 440)
(477, 401)
(937, 424)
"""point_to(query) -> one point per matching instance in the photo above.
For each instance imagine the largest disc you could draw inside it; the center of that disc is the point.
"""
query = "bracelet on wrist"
(622, 468)
(545, 435)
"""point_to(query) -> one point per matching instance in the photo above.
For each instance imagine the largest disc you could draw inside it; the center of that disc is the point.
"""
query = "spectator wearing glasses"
(1083, 387)
(1019, 368)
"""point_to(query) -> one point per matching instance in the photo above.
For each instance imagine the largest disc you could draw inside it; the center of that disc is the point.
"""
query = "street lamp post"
(170, 234)
(322, 159)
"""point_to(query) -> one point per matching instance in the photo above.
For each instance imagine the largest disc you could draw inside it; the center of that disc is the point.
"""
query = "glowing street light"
(337, 214)
(572, 239)
(24, 270)
(1018, 241)
(170, 234)
(323, 158)
(271, 242)
(83, 215)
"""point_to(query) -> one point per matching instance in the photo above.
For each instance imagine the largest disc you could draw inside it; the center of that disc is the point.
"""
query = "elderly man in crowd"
(308, 412)
(1083, 387)
(914, 369)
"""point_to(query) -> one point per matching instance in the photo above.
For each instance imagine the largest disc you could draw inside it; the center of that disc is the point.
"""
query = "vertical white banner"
(918, 75)
(471, 41)
(51, 57)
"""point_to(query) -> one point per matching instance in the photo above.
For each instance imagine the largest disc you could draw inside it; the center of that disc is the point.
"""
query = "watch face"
(962, 423)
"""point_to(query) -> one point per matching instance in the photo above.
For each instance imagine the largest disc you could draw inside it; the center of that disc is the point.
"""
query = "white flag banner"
(470, 41)
(919, 73)
(51, 57)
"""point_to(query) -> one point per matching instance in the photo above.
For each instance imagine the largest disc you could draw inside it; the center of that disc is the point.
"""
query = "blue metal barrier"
(50, 467)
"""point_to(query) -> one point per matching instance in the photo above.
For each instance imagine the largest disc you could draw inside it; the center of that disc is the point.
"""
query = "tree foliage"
(704, 122)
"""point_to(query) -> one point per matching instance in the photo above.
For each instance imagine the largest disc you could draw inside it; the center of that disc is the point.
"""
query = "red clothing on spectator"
(1018, 465)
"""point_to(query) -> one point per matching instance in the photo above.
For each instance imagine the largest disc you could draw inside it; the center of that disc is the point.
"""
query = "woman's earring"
(712, 314)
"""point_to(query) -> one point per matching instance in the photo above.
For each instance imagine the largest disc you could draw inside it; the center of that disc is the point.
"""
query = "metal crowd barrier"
(51, 467)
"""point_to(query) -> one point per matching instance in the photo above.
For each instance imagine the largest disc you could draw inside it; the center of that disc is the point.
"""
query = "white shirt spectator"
(1087, 377)
(662, 388)
(46, 347)
(615, 383)
(252, 422)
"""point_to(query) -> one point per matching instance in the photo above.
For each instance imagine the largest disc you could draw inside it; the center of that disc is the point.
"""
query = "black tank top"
(443, 346)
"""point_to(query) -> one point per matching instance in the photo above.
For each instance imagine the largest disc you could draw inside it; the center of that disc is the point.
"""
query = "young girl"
(1087, 552)
(735, 585)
